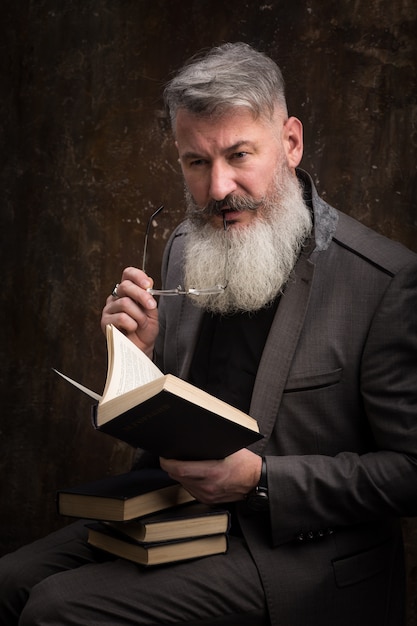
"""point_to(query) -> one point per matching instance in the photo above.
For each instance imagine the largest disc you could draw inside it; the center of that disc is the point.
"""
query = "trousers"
(62, 581)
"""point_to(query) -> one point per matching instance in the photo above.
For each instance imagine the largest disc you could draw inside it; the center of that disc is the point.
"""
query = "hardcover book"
(156, 553)
(188, 520)
(123, 497)
(163, 413)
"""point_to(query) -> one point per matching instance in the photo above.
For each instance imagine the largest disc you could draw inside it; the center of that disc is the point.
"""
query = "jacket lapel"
(279, 350)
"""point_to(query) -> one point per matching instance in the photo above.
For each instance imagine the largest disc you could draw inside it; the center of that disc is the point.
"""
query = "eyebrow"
(235, 147)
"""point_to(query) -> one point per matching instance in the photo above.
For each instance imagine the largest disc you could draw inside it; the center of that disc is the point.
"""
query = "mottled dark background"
(86, 155)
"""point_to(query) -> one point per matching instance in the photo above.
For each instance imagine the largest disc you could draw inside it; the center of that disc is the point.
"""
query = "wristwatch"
(258, 499)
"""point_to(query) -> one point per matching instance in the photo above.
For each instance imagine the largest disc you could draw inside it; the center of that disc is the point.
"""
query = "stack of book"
(146, 517)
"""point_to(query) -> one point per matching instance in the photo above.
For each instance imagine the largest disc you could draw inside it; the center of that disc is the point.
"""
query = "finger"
(129, 289)
(131, 276)
(128, 314)
(138, 277)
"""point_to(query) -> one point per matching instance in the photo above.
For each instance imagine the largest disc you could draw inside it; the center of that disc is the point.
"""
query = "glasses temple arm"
(148, 228)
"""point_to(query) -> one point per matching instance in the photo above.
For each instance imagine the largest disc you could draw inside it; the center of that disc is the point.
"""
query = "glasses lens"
(179, 291)
(207, 291)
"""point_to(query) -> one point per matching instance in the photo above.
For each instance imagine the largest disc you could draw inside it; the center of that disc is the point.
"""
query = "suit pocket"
(359, 567)
(306, 382)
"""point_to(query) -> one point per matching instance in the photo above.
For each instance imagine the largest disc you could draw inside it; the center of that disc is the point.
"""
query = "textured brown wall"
(87, 154)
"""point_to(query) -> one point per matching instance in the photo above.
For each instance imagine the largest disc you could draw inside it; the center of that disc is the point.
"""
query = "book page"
(86, 390)
(128, 366)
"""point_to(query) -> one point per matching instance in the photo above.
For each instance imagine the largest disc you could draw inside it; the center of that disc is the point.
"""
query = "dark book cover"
(192, 519)
(171, 427)
(122, 497)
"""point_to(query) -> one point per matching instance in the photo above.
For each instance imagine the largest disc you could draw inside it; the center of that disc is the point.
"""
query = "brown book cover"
(188, 520)
(155, 553)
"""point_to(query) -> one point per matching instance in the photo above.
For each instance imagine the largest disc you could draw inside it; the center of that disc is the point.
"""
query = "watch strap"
(257, 499)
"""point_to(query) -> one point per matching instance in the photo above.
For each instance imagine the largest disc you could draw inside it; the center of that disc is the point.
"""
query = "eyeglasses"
(180, 291)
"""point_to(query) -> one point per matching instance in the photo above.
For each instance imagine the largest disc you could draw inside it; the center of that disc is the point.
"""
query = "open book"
(162, 413)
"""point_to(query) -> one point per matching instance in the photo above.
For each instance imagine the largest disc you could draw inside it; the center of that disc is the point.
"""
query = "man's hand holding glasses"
(131, 306)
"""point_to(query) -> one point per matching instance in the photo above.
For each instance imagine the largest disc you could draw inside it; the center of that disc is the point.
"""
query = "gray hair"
(228, 76)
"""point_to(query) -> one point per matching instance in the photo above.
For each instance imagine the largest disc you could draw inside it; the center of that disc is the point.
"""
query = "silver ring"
(114, 292)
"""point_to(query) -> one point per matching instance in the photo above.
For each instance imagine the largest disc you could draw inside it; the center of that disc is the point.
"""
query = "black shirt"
(228, 352)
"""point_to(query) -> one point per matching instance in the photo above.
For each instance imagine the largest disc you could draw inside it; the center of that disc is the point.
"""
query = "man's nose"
(222, 181)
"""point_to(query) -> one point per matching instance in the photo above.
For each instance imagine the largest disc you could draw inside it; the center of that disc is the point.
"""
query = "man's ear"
(292, 136)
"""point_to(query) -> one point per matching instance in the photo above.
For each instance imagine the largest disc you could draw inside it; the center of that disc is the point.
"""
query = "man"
(313, 332)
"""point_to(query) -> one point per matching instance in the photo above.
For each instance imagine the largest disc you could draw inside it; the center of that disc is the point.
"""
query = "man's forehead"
(221, 116)
(232, 130)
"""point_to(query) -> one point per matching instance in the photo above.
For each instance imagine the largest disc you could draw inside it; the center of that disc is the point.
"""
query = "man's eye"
(239, 155)
(197, 163)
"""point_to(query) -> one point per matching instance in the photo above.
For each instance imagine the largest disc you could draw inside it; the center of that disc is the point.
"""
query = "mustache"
(229, 203)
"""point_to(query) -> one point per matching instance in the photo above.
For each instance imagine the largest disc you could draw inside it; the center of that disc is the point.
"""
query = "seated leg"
(68, 583)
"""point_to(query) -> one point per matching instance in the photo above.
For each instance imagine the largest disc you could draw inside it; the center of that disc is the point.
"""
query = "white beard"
(260, 256)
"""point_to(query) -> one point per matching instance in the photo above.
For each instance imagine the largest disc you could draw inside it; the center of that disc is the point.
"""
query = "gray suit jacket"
(336, 399)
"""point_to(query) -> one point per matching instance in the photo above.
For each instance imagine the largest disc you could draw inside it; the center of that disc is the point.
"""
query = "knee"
(15, 584)
(47, 604)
